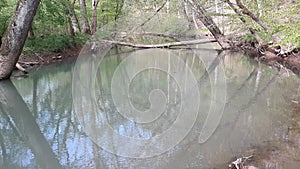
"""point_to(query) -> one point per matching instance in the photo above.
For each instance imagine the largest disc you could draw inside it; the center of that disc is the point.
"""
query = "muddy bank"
(273, 56)
(46, 58)
(266, 54)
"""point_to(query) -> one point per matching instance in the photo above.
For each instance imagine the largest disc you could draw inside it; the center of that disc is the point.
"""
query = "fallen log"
(170, 36)
(164, 45)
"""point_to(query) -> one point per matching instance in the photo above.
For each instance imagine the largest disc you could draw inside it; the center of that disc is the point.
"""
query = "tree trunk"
(73, 17)
(195, 20)
(186, 14)
(84, 21)
(71, 27)
(94, 15)
(14, 40)
(208, 22)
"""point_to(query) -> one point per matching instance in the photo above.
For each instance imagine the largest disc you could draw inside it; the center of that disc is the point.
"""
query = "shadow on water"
(39, 128)
(21, 120)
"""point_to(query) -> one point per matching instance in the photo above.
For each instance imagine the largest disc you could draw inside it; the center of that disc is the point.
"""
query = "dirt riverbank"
(34, 60)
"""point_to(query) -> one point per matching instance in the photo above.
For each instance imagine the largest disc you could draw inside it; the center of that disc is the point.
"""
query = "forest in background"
(62, 25)
(59, 24)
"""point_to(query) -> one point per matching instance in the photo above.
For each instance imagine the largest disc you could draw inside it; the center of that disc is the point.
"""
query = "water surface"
(40, 129)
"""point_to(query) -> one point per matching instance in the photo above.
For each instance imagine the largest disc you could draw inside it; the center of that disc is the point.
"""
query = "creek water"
(243, 108)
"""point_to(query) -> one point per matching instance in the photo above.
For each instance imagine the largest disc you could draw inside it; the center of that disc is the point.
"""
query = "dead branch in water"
(164, 45)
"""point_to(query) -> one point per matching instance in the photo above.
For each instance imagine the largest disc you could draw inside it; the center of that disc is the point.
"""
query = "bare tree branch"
(147, 20)
(236, 11)
(246, 11)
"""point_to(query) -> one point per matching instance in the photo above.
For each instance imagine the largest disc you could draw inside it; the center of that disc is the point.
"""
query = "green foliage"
(286, 24)
(247, 38)
(109, 10)
(3, 3)
(51, 18)
(6, 10)
(283, 19)
(281, 16)
(266, 36)
(53, 43)
(290, 34)
(51, 24)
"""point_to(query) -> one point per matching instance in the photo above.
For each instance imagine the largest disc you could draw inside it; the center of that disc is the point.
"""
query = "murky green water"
(40, 129)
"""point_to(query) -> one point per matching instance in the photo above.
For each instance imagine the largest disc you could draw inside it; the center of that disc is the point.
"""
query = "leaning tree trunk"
(14, 40)
(84, 21)
(208, 22)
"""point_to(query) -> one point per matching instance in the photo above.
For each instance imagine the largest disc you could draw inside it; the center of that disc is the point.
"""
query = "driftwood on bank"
(164, 45)
(29, 63)
(19, 67)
